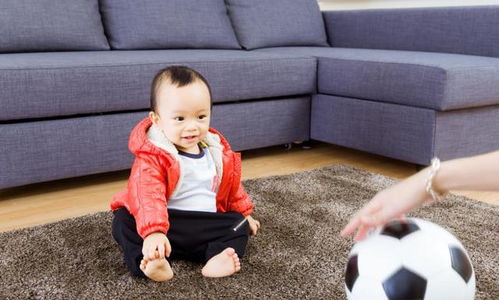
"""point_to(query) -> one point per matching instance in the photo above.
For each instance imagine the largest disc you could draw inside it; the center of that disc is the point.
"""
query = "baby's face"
(184, 114)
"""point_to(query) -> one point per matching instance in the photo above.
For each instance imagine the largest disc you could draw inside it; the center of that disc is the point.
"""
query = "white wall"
(368, 4)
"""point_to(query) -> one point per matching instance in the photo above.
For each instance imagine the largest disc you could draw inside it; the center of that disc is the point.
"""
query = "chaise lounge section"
(432, 91)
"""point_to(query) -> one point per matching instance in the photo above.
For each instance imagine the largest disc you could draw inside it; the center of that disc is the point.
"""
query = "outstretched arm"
(473, 173)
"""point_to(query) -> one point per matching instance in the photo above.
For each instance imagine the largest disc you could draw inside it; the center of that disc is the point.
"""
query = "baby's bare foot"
(223, 264)
(158, 269)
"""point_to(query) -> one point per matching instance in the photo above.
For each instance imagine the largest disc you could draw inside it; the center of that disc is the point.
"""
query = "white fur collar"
(159, 139)
(212, 140)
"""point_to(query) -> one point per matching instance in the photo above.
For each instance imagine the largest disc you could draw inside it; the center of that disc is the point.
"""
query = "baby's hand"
(156, 245)
(253, 224)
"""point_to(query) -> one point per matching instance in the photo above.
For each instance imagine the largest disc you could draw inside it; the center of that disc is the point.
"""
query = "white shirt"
(197, 189)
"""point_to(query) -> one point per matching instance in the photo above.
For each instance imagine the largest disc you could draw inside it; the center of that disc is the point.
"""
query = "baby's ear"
(154, 117)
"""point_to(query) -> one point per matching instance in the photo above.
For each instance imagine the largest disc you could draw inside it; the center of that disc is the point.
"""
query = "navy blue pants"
(193, 235)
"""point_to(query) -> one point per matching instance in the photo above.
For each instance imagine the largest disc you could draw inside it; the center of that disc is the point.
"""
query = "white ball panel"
(436, 231)
(381, 257)
(424, 254)
(368, 289)
(472, 287)
(447, 285)
(357, 247)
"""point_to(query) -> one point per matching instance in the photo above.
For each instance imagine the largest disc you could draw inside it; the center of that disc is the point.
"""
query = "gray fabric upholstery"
(439, 81)
(263, 123)
(432, 80)
(396, 131)
(466, 30)
(264, 23)
(95, 144)
(403, 132)
(50, 25)
(58, 84)
(466, 132)
(76, 147)
(160, 24)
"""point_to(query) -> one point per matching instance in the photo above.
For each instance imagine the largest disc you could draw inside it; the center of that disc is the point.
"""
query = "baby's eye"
(179, 119)
(201, 117)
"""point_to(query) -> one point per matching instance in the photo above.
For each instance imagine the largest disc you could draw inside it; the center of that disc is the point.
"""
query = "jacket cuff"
(144, 233)
(247, 212)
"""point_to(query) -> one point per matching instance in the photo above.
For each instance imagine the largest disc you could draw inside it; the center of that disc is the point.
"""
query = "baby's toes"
(235, 258)
(230, 251)
(237, 262)
(143, 264)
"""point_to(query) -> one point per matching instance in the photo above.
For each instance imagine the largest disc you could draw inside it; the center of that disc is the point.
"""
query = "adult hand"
(389, 204)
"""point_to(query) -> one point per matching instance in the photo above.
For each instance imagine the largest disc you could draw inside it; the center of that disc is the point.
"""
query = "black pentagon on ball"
(399, 229)
(352, 272)
(461, 263)
(405, 285)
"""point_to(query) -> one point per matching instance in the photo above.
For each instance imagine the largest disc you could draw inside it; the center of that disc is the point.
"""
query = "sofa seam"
(391, 63)
(434, 137)
(147, 64)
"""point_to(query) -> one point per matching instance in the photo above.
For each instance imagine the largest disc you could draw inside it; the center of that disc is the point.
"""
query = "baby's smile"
(189, 138)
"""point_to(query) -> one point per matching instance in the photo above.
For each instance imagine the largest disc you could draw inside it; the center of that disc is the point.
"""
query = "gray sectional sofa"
(407, 83)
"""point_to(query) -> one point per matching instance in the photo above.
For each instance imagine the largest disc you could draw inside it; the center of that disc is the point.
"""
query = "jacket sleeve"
(239, 199)
(147, 195)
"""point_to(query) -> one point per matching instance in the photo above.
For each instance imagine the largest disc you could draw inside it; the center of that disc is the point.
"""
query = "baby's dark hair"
(178, 76)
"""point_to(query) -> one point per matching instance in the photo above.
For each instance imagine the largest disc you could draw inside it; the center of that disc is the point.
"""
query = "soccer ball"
(409, 259)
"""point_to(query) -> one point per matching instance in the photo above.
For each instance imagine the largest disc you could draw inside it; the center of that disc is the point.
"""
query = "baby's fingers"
(161, 251)
(253, 230)
(254, 227)
(168, 248)
(151, 255)
(145, 251)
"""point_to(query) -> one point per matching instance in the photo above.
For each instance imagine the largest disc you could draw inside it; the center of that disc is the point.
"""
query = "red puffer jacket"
(154, 176)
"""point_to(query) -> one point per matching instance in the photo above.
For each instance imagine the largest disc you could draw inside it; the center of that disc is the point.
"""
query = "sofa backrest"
(168, 24)
(50, 25)
(273, 23)
(74, 25)
(464, 30)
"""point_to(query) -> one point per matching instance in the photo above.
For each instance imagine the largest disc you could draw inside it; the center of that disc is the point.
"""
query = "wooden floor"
(52, 201)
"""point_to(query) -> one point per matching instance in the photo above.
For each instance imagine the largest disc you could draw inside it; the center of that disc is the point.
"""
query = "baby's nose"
(191, 127)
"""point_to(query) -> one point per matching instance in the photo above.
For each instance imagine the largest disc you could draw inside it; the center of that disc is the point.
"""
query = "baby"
(184, 197)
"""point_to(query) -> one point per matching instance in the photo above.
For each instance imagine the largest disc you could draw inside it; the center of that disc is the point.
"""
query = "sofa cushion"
(404, 132)
(423, 79)
(465, 30)
(66, 83)
(54, 149)
(264, 23)
(160, 24)
(50, 25)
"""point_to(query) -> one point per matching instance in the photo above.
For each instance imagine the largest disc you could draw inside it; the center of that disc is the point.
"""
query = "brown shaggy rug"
(297, 254)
